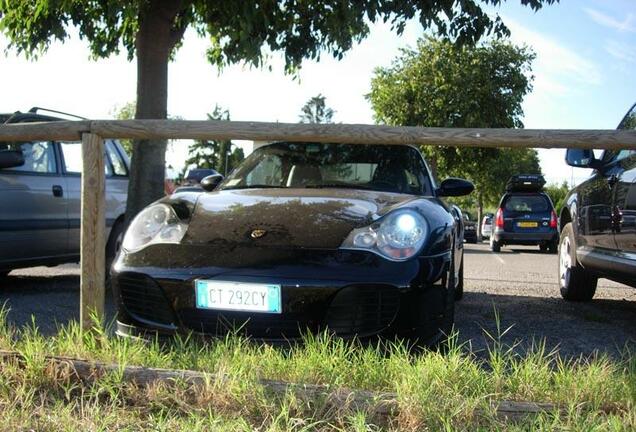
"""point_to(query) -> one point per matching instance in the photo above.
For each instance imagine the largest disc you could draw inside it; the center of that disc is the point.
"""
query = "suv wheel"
(495, 246)
(576, 283)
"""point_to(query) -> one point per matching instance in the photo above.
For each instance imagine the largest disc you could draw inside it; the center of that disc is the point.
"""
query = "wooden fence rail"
(345, 133)
(93, 133)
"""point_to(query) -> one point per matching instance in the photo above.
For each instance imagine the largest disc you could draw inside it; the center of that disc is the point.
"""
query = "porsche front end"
(273, 263)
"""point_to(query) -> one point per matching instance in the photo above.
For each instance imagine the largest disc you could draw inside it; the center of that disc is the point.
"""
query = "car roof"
(34, 115)
(336, 142)
(510, 194)
(19, 117)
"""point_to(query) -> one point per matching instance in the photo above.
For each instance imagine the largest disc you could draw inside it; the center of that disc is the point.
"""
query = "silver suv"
(40, 198)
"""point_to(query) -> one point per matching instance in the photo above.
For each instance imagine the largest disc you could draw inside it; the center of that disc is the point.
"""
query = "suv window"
(72, 156)
(119, 167)
(39, 157)
(629, 122)
(613, 156)
(527, 204)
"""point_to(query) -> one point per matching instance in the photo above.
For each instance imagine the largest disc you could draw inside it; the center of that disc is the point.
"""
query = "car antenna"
(35, 110)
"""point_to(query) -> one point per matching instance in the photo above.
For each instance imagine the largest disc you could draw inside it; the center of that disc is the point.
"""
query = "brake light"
(553, 220)
(499, 222)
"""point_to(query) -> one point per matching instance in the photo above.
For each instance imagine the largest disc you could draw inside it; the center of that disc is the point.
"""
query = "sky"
(584, 76)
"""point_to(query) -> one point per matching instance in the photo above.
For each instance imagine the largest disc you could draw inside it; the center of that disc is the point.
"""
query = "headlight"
(156, 224)
(398, 236)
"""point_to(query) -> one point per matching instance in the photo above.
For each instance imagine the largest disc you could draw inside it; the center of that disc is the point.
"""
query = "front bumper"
(349, 293)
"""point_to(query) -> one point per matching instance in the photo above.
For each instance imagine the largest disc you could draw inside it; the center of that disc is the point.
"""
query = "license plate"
(527, 224)
(238, 296)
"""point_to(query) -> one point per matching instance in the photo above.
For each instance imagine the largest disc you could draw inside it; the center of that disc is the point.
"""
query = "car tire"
(435, 315)
(553, 247)
(495, 246)
(575, 282)
(459, 289)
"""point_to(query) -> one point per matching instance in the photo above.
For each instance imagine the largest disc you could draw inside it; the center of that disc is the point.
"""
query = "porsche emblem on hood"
(258, 233)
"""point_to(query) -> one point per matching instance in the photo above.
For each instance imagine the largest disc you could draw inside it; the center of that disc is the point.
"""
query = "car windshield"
(389, 168)
(527, 204)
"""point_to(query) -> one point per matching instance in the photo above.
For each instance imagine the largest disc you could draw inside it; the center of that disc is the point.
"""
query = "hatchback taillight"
(499, 222)
(553, 220)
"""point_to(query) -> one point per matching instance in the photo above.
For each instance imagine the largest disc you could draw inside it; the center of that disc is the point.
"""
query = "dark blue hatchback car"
(525, 216)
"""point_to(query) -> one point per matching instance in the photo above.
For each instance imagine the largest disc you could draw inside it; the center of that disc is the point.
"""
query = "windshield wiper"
(337, 185)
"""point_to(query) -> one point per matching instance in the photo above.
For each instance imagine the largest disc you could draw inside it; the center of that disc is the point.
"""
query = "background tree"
(316, 110)
(239, 31)
(557, 194)
(441, 84)
(125, 112)
(214, 154)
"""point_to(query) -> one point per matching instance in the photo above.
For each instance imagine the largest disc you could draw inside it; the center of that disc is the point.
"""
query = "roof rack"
(35, 110)
(525, 183)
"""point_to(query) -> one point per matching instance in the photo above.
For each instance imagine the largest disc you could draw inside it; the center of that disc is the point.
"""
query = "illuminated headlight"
(155, 224)
(398, 236)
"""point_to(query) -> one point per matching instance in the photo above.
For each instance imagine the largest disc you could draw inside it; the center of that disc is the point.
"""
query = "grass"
(449, 391)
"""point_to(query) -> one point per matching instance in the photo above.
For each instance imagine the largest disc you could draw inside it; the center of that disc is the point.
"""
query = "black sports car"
(302, 237)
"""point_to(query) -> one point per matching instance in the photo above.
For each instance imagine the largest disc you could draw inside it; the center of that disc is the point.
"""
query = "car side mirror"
(455, 187)
(581, 158)
(11, 159)
(210, 182)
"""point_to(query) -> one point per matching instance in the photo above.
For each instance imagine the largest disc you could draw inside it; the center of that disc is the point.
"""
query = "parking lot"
(518, 283)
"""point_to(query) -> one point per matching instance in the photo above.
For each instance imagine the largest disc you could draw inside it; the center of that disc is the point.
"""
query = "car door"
(624, 208)
(116, 187)
(594, 216)
(34, 207)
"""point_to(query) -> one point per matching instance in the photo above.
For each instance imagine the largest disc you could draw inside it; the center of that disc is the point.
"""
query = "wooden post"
(93, 230)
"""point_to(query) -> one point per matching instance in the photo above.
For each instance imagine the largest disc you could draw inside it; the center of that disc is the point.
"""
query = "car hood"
(296, 218)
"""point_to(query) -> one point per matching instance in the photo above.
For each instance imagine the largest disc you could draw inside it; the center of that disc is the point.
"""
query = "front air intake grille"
(363, 310)
(143, 299)
(257, 325)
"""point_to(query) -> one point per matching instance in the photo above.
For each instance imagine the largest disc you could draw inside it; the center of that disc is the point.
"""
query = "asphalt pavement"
(516, 289)
(517, 292)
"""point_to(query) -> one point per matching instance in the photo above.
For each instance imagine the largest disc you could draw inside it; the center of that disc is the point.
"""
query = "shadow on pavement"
(576, 329)
(473, 251)
(50, 301)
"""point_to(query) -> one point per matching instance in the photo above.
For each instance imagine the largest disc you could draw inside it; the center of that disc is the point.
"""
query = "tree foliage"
(238, 31)
(125, 112)
(557, 194)
(316, 110)
(440, 84)
(243, 31)
(214, 154)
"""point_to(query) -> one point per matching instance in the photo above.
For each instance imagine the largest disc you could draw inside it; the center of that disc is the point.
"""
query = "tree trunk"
(155, 40)
(224, 155)
(432, 164)
(480, 213)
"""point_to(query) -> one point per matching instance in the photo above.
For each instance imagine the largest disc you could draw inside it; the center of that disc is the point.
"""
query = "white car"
(486, 226)
(40, 197)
